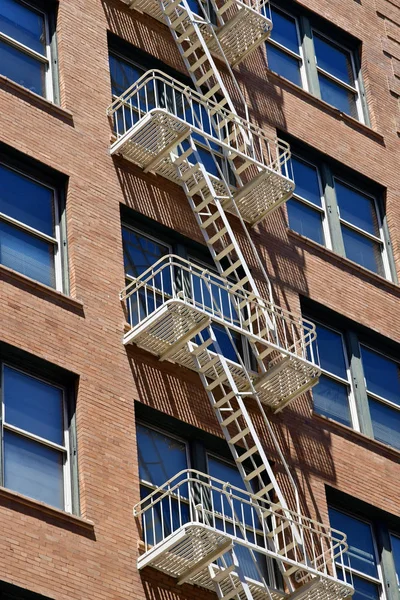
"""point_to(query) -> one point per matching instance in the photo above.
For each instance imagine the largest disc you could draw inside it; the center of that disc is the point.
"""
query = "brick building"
(260, 168)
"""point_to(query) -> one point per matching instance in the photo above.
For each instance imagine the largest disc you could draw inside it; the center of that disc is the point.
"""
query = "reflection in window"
(331, 394)
(29, 227)
(24, 56)
(362, 555)
(382, 378)
(35, 439)
(283, 48)
(305, 209)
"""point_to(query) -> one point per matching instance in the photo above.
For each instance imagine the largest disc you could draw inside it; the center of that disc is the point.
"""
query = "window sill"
(36, 100)
(370, 275)
(328, 108)
(52, 515)
(40, 290)
(370, 443)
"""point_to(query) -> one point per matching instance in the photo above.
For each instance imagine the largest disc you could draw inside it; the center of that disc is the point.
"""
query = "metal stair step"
(189, 31)
(254, 473)
(183, 157)
(231, 269)
(234, 592)
(217, 236)
(211, 92)
(283, 551)
(247, 454)
(198, 63)
(231, 418)
(206, 202)
(210, 220)
(239, 284)
(192, 48)
(225, 252)
(202, 347)
(225, 7)
(265, 490)
(223, 574)
(218, 381)
(278, 529)
(175, 24)
(239, 436)
(203, 79)
(224, 400)
(169, 9)
(210, 364)
(185, 175)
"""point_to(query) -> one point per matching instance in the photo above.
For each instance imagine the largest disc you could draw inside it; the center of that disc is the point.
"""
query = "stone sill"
(40, 289)
(37, 100)
(14, 500)
(373, 445)
(373, 277)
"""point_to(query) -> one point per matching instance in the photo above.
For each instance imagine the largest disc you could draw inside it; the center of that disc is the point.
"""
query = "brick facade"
(94, 556)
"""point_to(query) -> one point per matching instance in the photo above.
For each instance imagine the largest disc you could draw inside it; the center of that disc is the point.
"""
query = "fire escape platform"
(244, 28)
(167, 331)
(151, 144)
(187, 553)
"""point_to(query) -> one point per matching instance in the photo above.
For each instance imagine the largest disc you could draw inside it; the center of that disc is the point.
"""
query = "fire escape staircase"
(165, 128)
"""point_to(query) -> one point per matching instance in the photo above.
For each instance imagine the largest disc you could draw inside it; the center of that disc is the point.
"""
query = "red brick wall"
(67, 559)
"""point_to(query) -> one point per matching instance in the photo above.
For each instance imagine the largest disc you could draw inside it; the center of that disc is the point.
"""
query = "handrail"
(156, 90)
(237, 308)
(222, 506)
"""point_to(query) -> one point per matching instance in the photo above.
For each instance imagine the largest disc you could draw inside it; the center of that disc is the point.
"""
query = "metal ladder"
(207, 204)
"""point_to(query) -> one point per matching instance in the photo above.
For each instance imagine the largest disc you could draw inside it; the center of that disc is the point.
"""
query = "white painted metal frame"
(378, 212)
(42, 58)
(240, 514)
(355, 90)
(349, 570)
(63, 449)
(300, 56)
(321, 209)
(346, 382)
(55, 240)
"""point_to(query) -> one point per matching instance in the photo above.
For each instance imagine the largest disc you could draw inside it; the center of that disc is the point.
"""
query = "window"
(35, 438)
(25, 55)
(142, 250)
(299, 39)
(30, 227)
(336, 212)
(395, 546)
(363, 565)
(284, 49)
(163, 455)
(359, 386)
(382, 382)
(332, 394)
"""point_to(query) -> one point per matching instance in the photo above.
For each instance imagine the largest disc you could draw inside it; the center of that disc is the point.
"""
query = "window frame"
(299, 57)
(46, 58)
(306, 24)
(66, 449)
(349, 382)
(56, 240)
(332, 222)
(395, 534)
(354, 337)
(379, 581)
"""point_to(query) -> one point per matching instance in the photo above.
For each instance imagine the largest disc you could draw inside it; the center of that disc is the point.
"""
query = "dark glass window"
(283, 49)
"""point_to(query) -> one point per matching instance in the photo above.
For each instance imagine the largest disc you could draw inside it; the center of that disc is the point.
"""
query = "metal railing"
(155, 91)
(174, 278)
(257, 524)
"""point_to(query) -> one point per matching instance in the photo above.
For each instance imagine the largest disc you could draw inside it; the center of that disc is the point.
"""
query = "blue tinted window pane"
(33, 405)
(363, 250)
(23, 24)
(335, 61)
(123, 74)
(331, 399)
(284, 30)
(140, 252)
(357, 208)
(336, 95)
(385, 423)
(305, 220)
(280, 62)
(33, 470)
(27, 201)
(330, 350)
(160, 457)
(306, 180)
(395, 541)
(22, 69)
(382, 375)
(27, 254)
(360, 540)
(365, 590)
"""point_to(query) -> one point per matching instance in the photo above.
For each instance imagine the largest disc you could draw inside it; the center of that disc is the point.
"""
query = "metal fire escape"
(225, 164)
